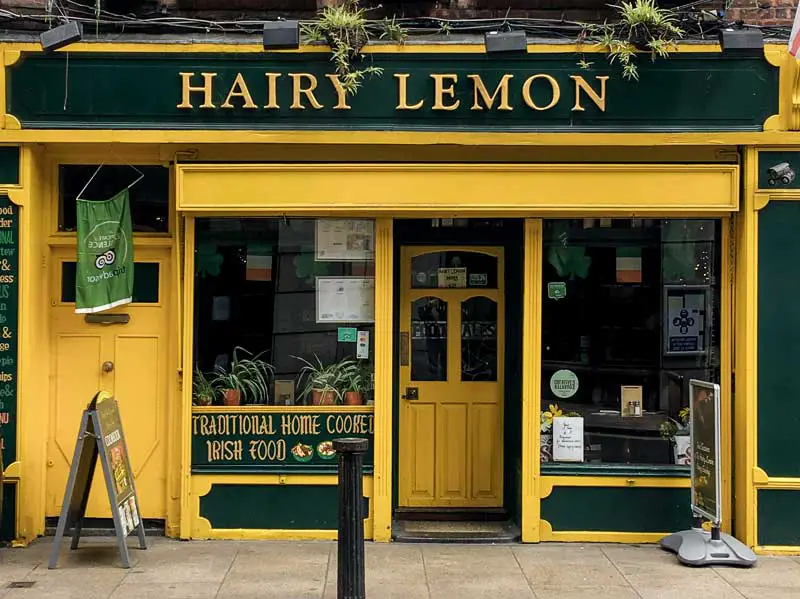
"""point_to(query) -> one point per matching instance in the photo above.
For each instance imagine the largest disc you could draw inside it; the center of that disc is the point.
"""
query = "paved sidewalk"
(299, 570)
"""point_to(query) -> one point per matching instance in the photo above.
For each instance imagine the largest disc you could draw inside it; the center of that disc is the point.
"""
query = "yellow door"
(129, 361)
(451, 378)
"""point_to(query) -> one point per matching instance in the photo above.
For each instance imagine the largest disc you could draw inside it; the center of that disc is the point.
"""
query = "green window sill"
(630, 470)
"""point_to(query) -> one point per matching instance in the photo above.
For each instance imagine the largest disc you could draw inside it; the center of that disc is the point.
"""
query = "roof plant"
(641, 27)
(345, 28)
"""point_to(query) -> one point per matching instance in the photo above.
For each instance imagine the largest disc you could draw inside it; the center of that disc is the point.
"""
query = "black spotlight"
(281, 35)
(61, 36)
(505, 41)
(741, 41)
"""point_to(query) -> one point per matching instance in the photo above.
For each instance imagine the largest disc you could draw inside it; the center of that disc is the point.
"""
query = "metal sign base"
(697, 547)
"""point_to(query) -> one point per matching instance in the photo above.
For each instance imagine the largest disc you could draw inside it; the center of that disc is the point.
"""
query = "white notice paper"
(345, 240)
(568, 439)
(345, 299)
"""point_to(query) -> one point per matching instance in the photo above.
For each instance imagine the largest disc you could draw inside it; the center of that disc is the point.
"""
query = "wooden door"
(127, 360)
(451, 378)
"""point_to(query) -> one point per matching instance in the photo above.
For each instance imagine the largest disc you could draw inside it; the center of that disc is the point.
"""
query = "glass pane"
(429, 339)
(292, 296)
(145, 282)
(478, 339)
(458, 269)
(149, 198)
(630, 314)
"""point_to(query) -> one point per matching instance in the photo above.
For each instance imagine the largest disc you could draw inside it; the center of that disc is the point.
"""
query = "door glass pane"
(478, 339)
(145, 282)
(454, 269)
(429, 339)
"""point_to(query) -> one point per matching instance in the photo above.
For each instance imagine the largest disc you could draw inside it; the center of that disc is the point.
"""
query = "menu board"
(9, 317)
(345, 299)
(285, 441)
(344, 240)
(704, 426)
(116, 455)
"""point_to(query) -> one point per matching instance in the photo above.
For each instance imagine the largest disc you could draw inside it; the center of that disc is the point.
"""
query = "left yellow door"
(129, 361)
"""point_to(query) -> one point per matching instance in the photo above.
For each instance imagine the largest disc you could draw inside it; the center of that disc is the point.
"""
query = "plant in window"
(203, 392)
(246, 381)
(356, 385)
(344, 27)
(677, 432)
(642, 27)
(325, 384)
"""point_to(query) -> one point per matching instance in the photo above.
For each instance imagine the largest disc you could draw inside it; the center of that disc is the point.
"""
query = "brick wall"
(763, 12)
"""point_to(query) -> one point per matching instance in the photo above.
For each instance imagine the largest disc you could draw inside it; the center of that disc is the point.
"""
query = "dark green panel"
(8, 529)
(778, 523)
(774, 174)
(295, 507)
(618, 509)
(9, 165)
(9, 320)
(687, 92)
(555, 469)
(258, 442)
(145, 282)
(778, 338)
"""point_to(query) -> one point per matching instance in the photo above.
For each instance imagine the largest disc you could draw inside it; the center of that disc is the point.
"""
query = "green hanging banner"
(105, 255)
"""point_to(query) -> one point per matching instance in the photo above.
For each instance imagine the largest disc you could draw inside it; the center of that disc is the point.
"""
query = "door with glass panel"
(451, 378)
(128, 358)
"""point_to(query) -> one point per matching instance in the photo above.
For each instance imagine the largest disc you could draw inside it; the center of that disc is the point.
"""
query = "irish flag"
(794, 38)
(629, 265)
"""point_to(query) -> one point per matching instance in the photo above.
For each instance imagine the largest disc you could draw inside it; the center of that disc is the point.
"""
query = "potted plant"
(642, 26)
(323, 384)
(245, 382)
(203, 392)
(677, 432)
(356, 384)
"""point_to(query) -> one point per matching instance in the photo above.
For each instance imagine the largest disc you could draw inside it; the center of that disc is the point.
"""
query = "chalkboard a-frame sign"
(100, 435)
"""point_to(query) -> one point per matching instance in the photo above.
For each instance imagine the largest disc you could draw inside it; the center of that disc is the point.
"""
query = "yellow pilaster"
(186, 396)
(531, 374)
(382, 496)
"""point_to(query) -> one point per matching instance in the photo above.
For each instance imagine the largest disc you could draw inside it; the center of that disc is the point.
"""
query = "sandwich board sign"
(697, 546)
(100, 436)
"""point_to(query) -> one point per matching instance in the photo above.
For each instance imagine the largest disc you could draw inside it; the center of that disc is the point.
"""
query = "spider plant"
(203, 392)
(325, 384)
(246, 381)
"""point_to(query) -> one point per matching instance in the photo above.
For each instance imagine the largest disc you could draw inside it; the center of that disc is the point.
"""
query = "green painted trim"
(8, 520)
(265, 507)
(9, 165)
(777, 517)
(628, 470)
(778, 338)
(618, 509)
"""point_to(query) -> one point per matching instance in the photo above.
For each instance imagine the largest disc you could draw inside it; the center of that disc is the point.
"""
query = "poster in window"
(685, 320)
(345, 299)
(344, 240)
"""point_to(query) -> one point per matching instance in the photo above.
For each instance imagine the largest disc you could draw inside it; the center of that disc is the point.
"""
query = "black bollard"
(350, 579)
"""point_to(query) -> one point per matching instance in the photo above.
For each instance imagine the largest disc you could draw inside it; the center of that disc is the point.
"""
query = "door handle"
(411, 394)
(107, 366)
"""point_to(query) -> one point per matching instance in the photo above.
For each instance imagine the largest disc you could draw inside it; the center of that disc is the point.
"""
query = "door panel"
(451, 381)
(136, 359)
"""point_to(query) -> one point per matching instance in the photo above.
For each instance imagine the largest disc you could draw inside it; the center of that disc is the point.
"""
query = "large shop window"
(284, 311)
(630, 314)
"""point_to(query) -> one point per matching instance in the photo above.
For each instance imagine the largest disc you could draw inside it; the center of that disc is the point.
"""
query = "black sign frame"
(704, 426)
(96, 440)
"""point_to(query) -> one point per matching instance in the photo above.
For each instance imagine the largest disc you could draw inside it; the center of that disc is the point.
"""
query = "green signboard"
(433, 91)
(706, 468)
(299, 440)
(9, 311)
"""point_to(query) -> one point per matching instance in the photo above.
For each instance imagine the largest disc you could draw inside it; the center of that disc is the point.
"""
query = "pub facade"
(455, 261)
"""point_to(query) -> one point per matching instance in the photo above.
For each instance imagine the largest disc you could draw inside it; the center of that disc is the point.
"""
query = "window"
(630, 313)
(145, 282)
(149, 198)
(284, 311)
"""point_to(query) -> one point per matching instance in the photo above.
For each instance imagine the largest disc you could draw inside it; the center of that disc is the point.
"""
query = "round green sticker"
(564, 384)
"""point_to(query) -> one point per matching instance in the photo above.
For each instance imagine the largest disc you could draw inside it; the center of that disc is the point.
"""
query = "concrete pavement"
(299, 570)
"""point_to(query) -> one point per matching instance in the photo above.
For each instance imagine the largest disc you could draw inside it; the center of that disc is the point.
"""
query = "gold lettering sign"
(197, 90)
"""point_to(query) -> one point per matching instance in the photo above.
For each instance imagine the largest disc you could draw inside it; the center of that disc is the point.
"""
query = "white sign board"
(568, 439)
(342, 240)
(345, 299)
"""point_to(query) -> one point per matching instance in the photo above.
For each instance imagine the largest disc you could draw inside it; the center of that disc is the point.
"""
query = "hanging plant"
(642, 27)
(343, 27)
